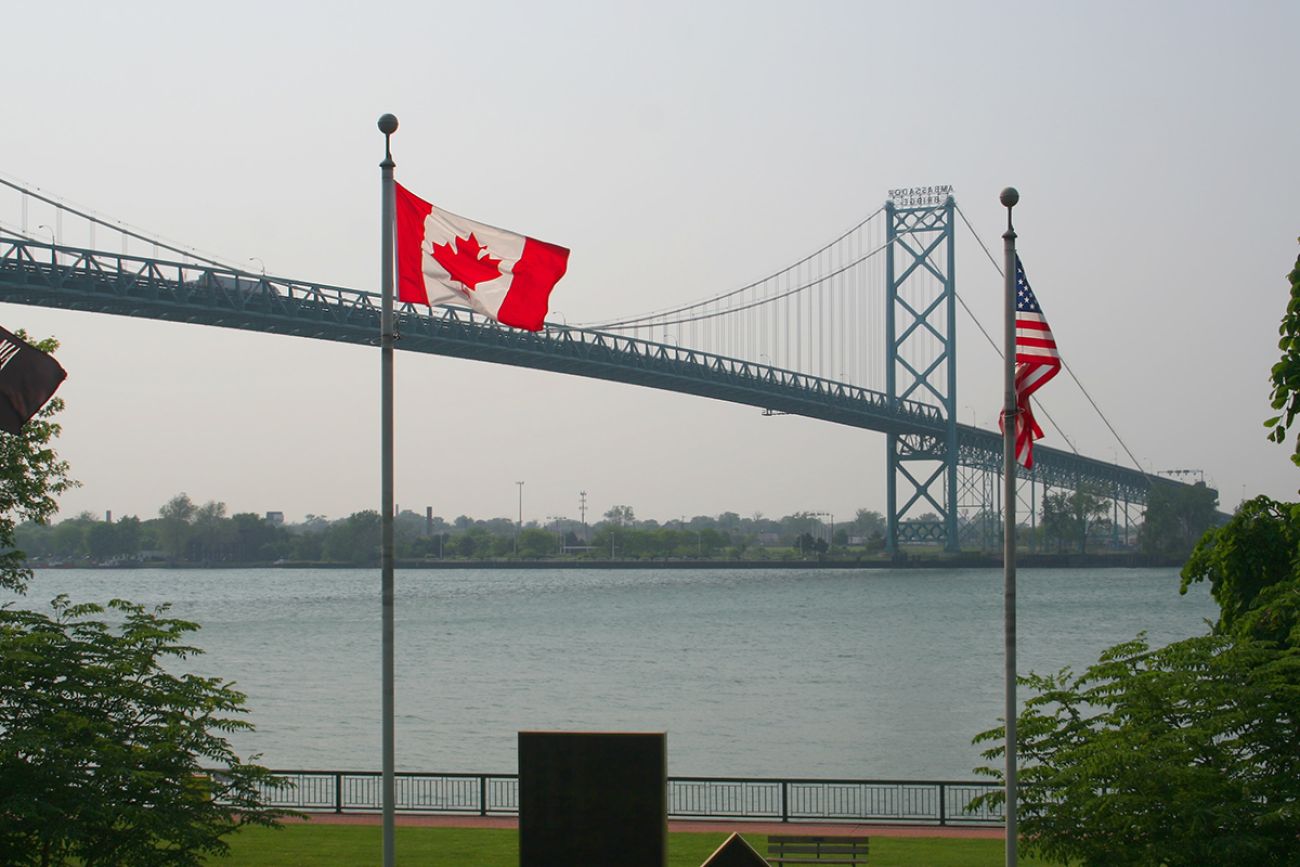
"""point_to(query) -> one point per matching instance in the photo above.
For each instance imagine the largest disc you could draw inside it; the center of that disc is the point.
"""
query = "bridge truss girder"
(980, 462)
(103, 282)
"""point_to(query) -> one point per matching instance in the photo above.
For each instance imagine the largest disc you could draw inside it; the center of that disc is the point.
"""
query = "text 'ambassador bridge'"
(861, 332)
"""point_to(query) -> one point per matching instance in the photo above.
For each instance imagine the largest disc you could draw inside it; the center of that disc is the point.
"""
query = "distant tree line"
(187, 533)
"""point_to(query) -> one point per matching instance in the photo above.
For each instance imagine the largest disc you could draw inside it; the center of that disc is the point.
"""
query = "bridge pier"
(921, 364)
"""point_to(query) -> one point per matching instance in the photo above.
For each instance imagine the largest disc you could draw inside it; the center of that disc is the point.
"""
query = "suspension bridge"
(861, 332)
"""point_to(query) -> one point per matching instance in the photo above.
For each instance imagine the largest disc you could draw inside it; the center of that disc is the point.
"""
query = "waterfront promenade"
(700, 826)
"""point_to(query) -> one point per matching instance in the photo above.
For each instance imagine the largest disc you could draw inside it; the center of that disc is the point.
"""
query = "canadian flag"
(443, 258)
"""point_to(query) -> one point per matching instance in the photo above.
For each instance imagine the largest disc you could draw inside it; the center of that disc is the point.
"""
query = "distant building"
(275, 519)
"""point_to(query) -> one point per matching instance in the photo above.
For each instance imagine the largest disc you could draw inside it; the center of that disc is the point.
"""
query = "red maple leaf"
(469, 263)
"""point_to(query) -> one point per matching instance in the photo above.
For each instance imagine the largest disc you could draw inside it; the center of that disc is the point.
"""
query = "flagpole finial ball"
(388, 124)
(1009, 197)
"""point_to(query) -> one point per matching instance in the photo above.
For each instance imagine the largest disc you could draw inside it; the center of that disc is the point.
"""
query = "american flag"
(1037, 361)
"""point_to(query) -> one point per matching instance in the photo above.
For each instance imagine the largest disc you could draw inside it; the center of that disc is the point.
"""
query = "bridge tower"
(921, 363)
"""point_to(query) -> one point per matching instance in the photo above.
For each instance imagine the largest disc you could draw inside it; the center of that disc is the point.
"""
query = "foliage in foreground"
(1285, 375)
(1252, 564)
(102, 747)
(1188, 754)
(1184, 755)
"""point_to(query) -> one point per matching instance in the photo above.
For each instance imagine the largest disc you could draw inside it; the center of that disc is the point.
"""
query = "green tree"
(535, 543)
(1252, 564)
(867, 522)
(256, 539)
(308, 547)
(128, 535)
(101, 540)
(807, 544)
(711, 541)
(31, 476)
(102, 744)
(210, 530)
(1072, 516)
(174, 525)
(33, 539)
(1285, 376)
(1185, 755)
(355, 539)
(103, 749)
(71, 536)
(624, 516)
(464, 544)
(1176, 517)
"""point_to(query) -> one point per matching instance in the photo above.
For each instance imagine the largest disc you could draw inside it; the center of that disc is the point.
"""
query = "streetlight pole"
(54, 240)
(559, 529)
(519, 528)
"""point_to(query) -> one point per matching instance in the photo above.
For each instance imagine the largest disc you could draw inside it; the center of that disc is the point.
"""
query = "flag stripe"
(1035, 343)
(1037, 361)
(539, 268)
(411, 214)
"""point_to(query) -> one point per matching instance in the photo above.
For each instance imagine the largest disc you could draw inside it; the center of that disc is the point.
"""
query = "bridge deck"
(80, 279)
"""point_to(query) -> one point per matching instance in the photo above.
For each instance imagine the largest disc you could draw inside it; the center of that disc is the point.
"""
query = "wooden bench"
(784, 849)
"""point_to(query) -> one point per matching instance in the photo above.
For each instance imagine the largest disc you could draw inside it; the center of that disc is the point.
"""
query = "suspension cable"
(607, 326)
(727, 311)
(118, 227)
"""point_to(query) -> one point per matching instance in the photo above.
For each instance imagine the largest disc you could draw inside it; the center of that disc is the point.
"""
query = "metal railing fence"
(923, 802)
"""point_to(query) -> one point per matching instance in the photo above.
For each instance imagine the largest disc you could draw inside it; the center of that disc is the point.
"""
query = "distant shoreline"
(960, 561)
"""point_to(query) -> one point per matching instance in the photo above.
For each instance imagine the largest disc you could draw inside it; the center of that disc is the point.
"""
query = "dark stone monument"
(593, 799)
(735, 851)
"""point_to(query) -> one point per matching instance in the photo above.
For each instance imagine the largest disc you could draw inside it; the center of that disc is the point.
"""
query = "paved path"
(705, 826)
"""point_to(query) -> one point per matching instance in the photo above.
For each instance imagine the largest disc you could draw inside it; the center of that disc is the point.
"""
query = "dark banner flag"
(28, 378)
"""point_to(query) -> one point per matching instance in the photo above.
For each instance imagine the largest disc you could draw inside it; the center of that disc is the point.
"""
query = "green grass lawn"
(346, 845)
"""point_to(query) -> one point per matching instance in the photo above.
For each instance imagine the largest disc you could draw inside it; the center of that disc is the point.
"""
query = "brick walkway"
(687, 825)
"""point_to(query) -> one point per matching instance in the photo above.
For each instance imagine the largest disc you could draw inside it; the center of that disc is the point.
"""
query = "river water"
(799, 672)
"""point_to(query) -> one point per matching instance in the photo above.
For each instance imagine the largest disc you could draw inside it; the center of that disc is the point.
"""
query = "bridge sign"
(920, 197)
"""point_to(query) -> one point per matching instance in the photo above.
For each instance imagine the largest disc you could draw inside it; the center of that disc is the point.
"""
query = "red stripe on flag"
(411, 214)
(1035, 342)
(539, 268)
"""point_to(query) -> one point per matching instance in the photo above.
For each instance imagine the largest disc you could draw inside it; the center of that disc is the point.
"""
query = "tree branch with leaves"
(32, 475)
(1285, 376)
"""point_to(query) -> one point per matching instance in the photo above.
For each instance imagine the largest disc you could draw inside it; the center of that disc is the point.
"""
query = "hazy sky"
(679, 149)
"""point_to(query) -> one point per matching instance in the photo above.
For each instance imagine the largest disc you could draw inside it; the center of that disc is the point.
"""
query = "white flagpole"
(1009, 198)
(388, 126)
